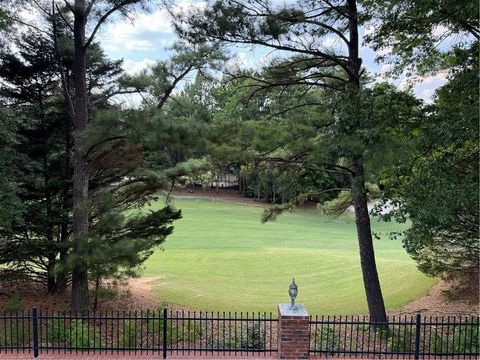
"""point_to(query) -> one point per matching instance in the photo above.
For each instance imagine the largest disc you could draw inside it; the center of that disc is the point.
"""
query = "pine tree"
(318, 51)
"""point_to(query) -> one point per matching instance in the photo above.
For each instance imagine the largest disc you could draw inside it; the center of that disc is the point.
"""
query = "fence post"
(417, 337)
(293, 332)
(164, 333)
(35, 332)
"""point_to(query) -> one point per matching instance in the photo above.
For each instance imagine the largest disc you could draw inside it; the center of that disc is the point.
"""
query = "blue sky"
(145, 38)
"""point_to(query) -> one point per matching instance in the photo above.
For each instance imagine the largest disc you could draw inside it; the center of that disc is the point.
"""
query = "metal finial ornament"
(293, 291)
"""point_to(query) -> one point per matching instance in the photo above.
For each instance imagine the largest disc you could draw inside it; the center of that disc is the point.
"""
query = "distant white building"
(225, 180)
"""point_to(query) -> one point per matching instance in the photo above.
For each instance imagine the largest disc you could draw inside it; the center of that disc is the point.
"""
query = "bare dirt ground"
(435, 303)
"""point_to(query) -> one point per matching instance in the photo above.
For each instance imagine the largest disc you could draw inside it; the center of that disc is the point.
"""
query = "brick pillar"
(293, 332)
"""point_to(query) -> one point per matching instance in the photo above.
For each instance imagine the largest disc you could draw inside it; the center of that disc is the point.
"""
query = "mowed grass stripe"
(221, 257)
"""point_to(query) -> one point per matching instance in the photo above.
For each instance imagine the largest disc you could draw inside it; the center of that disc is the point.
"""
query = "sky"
(144, 39)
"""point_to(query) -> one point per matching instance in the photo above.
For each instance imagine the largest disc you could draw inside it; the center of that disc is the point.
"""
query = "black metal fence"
(164, 332)
(159, 332)
(401, 337)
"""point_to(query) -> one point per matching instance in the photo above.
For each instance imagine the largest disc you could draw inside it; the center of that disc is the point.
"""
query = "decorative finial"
(293, 291)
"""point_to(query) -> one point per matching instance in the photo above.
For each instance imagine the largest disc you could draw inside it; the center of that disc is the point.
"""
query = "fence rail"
(159, 332)
(164, 332)
(401, 336)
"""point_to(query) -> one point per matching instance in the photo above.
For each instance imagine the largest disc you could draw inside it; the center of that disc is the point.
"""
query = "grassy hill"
(221, 257)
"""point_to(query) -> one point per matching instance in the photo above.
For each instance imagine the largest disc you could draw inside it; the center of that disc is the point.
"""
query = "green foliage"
(401, 340)
(14, 303)
(74, 333)
(251, 339)
(13, 333)
(183, 331)
(461, 339)
(414, 32)
(327, 339)
(4, 19)
(437, 186)
(37, 142)
(107, 292)
(129, 334)
(280, 185)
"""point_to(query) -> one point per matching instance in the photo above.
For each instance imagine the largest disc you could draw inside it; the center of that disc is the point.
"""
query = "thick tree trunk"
(373, 291)
(80, 297)
(62, 274)
(376, 307)
(63, 237)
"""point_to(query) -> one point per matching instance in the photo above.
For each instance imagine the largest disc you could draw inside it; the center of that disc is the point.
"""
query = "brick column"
(293, 332)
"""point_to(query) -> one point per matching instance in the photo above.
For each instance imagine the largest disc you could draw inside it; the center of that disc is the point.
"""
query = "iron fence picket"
(400, 337)
(189, 332)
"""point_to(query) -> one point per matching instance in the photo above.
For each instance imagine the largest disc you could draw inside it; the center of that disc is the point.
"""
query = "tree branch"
(104, 18)
(175, 82)
(63, 18)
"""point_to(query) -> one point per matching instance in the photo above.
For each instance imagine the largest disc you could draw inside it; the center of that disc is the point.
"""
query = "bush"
(76, 334)
(13, 333)
(326, 339)
(465, 339)
(14, 303)
(181, 331)
(401, 340)
(130, 332)
(251, 339)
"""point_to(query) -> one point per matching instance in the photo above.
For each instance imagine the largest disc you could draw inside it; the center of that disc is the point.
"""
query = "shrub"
(182, 330)
(130, 332)
(383, 332)
(75, 333)
(251, 339)
(14, 303)
(13, 333)
(401, 340)
(464, 339)
(326, 339)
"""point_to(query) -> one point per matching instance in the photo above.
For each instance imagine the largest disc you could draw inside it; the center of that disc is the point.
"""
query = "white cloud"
(330, 42)
(240, 61)
(424, 86)
(188, 6)
(439, 30)
(370, 29)
(386, 68)
(427, 94)
(148, 31)
(384, 51)
(145, 32)
(132, 67)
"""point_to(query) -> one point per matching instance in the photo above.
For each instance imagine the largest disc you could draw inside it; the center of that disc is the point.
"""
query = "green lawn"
(221, 257)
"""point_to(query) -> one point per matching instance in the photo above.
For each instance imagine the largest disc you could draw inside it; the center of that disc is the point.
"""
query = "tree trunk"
(376, 307)
(80, 297)
(62, 274)
(51, 281)
(97, 288)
